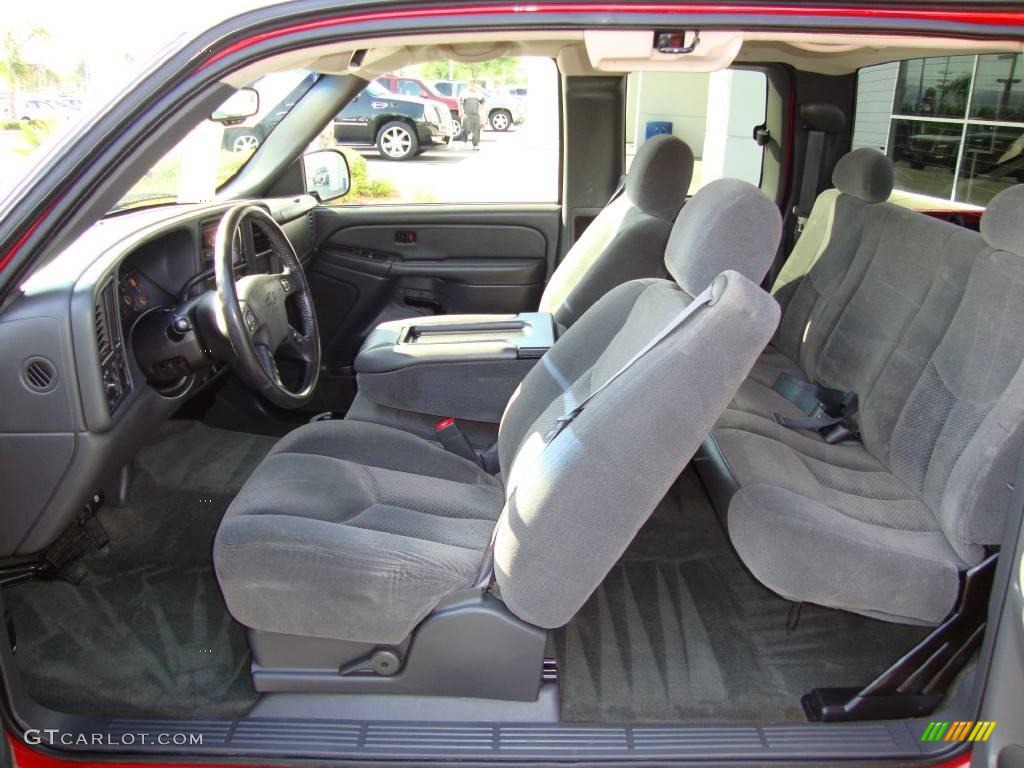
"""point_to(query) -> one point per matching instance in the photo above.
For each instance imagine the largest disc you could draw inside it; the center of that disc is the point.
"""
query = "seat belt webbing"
(823, 407)
(705, 297)
(814, 156)
(617, 192)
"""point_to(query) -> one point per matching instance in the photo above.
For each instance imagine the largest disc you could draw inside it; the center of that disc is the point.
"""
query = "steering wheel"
(253, 312)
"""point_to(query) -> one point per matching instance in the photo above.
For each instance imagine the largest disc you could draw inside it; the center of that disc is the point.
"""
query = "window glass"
(934, 87)
(714, 113)
(924, 156)
(967, 149)
(213, 153)
(406, 149)
(993, 160)
(408, 88)
(999, 88)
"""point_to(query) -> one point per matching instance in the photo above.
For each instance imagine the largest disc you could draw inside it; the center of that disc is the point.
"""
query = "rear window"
(953, 126)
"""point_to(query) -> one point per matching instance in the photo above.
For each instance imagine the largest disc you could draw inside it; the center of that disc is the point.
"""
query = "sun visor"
(661, 51)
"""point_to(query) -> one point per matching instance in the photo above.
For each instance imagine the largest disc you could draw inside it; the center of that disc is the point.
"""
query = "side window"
(475, 141)
(953, 126)
(715, 113)
(408, 88)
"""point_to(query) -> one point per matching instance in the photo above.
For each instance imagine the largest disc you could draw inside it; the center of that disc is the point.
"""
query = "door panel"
(379, 264)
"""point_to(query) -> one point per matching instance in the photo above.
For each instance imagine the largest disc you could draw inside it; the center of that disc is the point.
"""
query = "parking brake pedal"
(62, 559)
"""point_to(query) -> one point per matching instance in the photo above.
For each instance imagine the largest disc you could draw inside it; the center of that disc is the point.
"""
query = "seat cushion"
(353, 531)
(831, 525)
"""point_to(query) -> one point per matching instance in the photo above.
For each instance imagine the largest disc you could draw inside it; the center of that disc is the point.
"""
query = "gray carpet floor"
(680, 631)
(147, 632)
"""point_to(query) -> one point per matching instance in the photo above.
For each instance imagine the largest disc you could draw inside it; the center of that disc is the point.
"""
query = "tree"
(18, 71)
(500, 70)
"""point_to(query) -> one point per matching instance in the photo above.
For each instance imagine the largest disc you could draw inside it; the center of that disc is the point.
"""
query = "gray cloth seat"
(922, 320)
(355, 532)
(373, 515)
(627, 239)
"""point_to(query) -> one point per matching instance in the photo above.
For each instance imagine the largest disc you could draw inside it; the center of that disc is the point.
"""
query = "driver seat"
(355, 532)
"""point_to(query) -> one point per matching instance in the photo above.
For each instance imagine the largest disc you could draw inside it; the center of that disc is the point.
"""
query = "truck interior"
(677, 465)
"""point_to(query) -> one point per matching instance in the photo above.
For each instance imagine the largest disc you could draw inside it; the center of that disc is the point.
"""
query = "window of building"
(715, 113)
(952, 125)
(403, 148)
(934, 87)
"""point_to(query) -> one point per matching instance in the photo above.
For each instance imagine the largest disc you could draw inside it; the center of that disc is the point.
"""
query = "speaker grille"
(39, 374)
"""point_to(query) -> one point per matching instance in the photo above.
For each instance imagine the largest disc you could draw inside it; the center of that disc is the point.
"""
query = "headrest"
(729, 224)
(827, 118)
(1002, 223)
(864, 173)
(659, 177)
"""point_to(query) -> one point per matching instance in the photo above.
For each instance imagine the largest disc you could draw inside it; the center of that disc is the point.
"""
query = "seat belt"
(617, 192)
(707, 297)
(828, 411)
(813, 157)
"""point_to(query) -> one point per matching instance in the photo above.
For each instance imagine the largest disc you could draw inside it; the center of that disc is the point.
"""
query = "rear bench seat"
(924, 321)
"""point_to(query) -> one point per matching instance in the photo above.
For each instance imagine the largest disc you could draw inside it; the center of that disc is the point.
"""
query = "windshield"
(212, 153)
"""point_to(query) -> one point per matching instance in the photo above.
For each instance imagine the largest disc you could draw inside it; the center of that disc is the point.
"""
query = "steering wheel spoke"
(298, 346)
(268, 363)
(255, 309)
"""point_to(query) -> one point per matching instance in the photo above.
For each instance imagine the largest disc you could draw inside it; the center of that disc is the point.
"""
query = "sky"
(115, 37)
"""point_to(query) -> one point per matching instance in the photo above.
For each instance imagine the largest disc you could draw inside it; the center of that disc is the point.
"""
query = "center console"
(462, 366)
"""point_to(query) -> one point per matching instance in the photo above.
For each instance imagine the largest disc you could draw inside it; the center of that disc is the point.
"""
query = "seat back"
(573, 504)
(922, 319)
(627, 239)
(946, 412)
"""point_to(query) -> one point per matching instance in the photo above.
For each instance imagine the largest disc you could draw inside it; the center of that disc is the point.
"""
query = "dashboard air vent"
(40, 374)
(102, 330)
(260, 241)
(116, 381)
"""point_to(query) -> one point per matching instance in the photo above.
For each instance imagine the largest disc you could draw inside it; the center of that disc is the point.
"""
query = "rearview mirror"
(327, 174)
(243, 103)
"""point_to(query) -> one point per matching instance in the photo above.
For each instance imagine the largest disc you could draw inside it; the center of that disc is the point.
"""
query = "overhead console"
(462, 366)
(661, 50)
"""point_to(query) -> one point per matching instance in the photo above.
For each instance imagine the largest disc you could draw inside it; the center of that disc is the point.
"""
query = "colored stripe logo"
(960, 730)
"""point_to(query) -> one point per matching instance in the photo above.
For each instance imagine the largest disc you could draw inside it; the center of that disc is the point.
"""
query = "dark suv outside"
(400, 126)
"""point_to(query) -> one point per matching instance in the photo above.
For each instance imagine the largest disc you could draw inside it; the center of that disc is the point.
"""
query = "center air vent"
(39, 374)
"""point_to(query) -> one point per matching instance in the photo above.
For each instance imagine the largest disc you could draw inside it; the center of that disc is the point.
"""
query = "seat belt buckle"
(454, 441)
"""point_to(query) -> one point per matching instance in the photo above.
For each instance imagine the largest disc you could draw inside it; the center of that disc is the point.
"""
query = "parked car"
(277, 95)
(42, 109)
(402, 85)
(399, 126)
(503, 111)
(286, 481)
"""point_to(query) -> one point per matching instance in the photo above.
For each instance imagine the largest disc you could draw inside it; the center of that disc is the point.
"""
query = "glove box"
(463, 366)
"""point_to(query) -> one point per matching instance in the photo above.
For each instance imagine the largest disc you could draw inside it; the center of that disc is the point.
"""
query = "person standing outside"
(471, 103)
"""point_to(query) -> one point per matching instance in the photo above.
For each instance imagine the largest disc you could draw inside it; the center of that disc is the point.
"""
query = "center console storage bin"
(463, 366)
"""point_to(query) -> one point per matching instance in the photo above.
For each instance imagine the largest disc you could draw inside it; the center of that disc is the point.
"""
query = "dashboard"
(73, 324)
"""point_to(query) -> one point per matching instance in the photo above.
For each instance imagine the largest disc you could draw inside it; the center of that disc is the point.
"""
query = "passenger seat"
(922, 321)
(627, 239)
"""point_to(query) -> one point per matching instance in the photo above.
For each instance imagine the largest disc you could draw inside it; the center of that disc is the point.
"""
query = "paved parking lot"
(515, 166)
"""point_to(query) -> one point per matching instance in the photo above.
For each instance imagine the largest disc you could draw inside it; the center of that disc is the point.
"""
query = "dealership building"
(952, 125)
